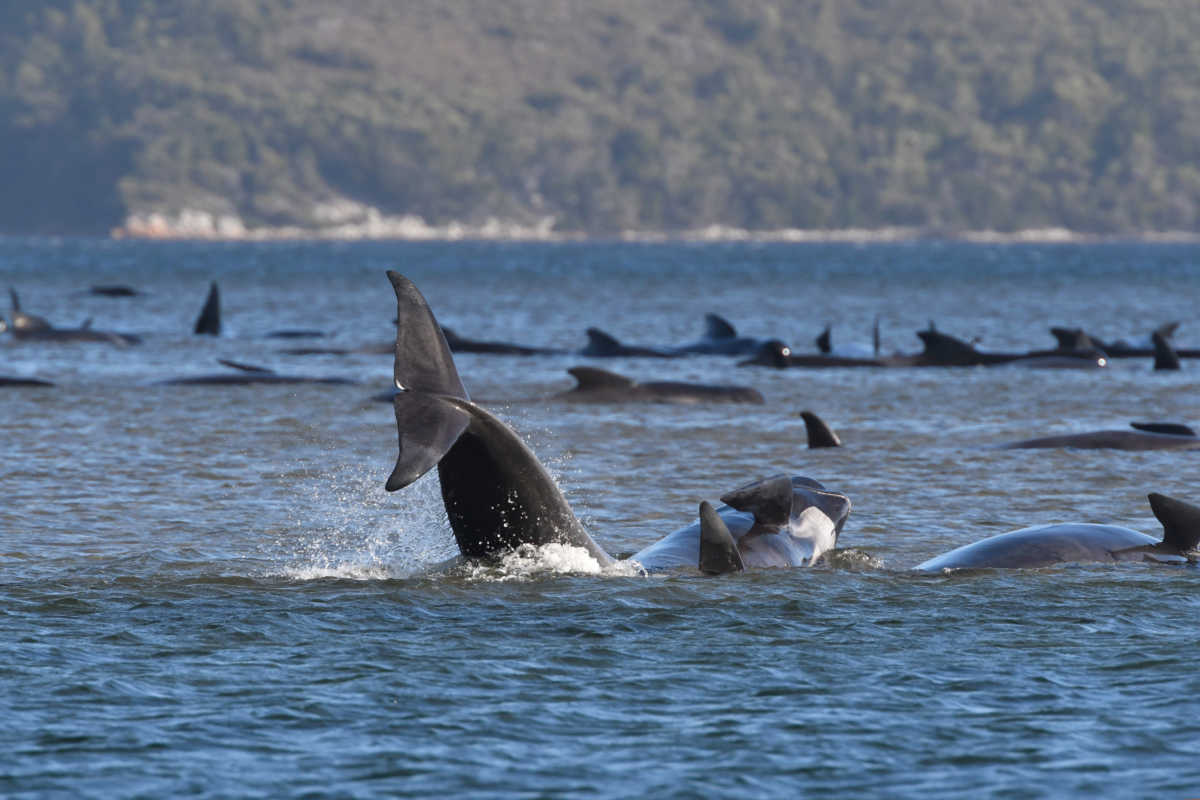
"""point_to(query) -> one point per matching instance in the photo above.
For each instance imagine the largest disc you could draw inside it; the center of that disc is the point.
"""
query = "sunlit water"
(206, 590)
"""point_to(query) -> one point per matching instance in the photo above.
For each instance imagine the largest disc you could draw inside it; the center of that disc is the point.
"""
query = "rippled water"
(205, 590)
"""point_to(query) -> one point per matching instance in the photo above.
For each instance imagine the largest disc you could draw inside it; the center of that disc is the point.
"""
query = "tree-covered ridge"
(605, 115)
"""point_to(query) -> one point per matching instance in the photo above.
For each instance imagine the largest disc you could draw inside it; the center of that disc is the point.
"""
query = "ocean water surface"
(206, 591)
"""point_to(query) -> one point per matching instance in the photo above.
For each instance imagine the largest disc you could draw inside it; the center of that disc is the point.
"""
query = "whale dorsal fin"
(819, 434)
(825, 340)
(717, 327)
(601, 343)
(1180, 521)
(1172, 428)
(16, 301)
(942, 346)
(246, 367)
(592, 378)
(430, 401)
(209, 321)
(86, 325)
(1072, 339)
(769, 500)
(718, 551)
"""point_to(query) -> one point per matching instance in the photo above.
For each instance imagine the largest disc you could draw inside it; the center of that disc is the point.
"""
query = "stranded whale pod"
(498, 496)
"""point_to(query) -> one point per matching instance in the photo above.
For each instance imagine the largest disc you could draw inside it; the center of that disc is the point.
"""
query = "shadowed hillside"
(602, 116)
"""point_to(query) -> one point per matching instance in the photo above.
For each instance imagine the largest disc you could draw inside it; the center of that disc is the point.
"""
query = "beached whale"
(1044, 545)
(498, 496)
(601, 386)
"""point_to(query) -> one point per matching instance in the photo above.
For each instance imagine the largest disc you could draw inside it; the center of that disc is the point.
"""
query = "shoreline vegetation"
(192, 225)
(718, 119)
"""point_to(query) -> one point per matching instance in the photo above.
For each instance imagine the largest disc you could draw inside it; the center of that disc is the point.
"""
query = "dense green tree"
(605, 116)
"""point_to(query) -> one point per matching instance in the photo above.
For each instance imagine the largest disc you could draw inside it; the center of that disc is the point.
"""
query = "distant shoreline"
(201, 226)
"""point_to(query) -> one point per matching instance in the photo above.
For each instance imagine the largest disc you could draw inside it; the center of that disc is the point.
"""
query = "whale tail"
(819, 434)
(825, 340)
(1165, 357)
(1180, 521)
(429, 394)
(718, 551)
(209, 321)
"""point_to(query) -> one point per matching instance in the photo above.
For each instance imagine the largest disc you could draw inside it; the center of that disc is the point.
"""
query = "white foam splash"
(350, 528)
(529, 562)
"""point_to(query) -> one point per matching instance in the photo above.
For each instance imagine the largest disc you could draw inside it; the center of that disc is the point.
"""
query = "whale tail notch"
(718, 551)
(1180, 521)
(430, 400)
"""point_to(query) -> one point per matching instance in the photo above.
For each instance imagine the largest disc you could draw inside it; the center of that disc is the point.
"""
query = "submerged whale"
(29, 327)
(13, 380)
(460, 344)
(498, 496)
(1145, 436)
(721, 338)
(601, 386)
(1143, 347)
(1043, 545)
(246, 374)
(605, 345)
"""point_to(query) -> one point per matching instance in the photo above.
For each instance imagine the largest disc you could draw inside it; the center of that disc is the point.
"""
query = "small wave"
(852, 559)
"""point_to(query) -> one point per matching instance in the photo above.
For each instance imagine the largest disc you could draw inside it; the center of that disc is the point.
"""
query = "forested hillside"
(603, 116)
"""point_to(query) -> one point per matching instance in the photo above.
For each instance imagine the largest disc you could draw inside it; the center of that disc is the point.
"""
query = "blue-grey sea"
(205, 591)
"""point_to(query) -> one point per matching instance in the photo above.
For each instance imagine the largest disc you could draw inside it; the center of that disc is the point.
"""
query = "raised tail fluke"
(430, 397)
(1165, 357)
(423, 360)
(718, 551)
